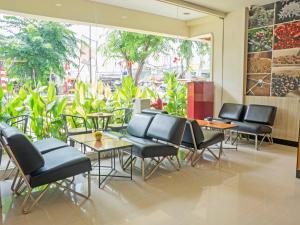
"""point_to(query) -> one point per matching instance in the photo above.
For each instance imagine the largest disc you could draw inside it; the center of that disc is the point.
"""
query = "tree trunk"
(34, 78)
(129, 70)
(139, 72)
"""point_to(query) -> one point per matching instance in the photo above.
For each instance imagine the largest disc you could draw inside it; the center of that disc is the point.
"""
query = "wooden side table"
(298, 161)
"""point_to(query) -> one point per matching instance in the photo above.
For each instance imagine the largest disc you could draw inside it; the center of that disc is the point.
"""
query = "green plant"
(87, 99)
(175, 95)
(125, 94)
(45, 112)
(33, 49)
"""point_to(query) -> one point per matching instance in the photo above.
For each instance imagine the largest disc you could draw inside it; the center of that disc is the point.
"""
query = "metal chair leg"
(173, 164)
(154, 168)
(178, 162)
(27, 210)
(143, 168)
(256, 142)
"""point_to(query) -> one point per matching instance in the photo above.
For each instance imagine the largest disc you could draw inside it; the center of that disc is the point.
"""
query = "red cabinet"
(200, 99)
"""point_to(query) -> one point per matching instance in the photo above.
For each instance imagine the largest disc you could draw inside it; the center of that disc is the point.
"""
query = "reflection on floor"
(246, 187)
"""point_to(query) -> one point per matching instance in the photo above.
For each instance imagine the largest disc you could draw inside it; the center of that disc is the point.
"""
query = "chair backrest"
(77, 121)
(167, 128)
(263, 114)
(187, 139)
(154, 111)
(20, 122)
(3, 126)
(232, 111)
(128, 114)
(139, 125)
(27, 156)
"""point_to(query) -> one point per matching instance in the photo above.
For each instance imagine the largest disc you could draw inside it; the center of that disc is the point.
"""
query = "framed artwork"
(259, 62)
(273, 62)
(287, 35)
(286, 82)
(260, 39)
(261, 16)
(287, 10)
(258, 85)
(287, 57)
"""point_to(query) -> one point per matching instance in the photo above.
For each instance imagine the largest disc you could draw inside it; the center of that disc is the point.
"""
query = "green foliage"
(45, 112)
(35, 48)
(187, 52)
(87, 99)
(175, 96)
(133, 48)
(125, 94)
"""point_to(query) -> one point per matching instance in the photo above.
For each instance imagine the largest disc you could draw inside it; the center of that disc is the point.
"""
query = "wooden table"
(95, 117)
(219, 126)
(216, 125)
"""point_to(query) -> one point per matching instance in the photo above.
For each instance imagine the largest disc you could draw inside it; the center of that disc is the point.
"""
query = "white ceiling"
(155, 7)
(229, 5)
(168, 10)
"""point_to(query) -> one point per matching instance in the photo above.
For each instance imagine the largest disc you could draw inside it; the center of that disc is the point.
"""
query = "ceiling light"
(58, 4)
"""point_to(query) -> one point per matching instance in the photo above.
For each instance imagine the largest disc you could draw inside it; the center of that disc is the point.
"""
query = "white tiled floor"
(246, 187)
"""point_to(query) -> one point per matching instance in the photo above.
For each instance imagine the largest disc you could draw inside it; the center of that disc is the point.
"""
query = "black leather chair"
(36, 169)
(43, 146)
(154, 111)
(195, 139)
(231, 112)
(156, 137)
(258, 121)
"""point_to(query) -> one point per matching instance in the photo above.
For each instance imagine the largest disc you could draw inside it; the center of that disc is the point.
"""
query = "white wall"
(234, 56)
(214, 26)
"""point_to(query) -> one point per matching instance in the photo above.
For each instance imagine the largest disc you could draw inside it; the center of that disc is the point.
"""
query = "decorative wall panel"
(273, 65)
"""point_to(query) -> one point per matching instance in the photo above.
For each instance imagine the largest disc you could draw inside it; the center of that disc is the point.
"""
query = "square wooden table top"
(216, 125)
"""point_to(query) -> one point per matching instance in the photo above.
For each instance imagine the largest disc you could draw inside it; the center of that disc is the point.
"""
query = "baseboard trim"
(285, 142)
(280, 141)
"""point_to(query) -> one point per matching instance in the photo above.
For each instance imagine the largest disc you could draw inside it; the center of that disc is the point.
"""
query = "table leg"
(106, 124)
(114, 159)
(99, 169)
(131, 163)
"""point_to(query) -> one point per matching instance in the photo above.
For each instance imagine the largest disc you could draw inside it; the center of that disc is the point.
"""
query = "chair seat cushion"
(60, 164)
(211, 138)
(79, 130)
(48, 145)
(254, 128)
(145, 148)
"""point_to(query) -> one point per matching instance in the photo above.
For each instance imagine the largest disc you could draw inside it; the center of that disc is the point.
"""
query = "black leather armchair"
(154, 111)
(231, 112)
(258, 121)
(36, 169)
(155, 137)
(195, 139)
